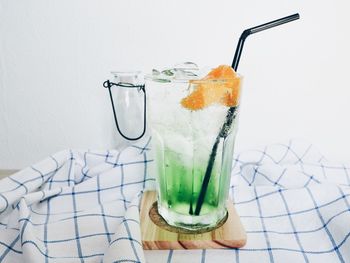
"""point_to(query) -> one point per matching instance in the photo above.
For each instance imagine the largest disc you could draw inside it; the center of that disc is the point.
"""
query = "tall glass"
(182, 141)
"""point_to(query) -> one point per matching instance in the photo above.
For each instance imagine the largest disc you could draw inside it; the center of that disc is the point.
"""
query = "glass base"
(192, 223)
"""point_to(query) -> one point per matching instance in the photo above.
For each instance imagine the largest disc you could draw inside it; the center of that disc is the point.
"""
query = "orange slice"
(221, 85)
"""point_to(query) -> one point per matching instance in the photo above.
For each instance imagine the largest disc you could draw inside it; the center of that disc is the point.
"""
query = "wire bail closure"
(108, 84)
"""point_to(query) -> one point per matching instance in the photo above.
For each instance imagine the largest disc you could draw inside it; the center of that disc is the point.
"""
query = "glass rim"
(137, 74)
(189, 80)
(125, 72)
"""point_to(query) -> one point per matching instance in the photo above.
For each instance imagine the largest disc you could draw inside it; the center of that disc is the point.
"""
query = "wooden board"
(230, 234)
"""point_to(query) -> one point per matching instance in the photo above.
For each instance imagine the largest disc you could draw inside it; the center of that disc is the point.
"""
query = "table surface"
(5, 173)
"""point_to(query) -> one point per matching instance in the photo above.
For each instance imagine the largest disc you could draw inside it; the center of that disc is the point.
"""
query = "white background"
(54, 56)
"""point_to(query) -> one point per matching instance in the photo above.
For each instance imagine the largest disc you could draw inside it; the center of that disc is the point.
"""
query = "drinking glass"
(182, 141)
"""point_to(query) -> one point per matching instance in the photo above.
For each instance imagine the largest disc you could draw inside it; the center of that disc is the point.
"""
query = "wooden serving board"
(230, 234)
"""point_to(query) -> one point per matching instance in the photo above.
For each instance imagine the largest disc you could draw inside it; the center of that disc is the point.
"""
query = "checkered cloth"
(83, 206)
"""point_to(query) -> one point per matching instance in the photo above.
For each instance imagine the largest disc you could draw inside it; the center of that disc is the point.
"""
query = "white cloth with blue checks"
(83, 206)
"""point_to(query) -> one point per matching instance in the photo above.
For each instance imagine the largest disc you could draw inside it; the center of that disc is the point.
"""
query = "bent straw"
(232, 112)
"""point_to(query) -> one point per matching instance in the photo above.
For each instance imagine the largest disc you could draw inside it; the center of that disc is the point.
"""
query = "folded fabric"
(83, 206)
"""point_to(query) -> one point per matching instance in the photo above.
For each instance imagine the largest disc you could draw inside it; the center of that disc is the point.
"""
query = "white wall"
(54, 56)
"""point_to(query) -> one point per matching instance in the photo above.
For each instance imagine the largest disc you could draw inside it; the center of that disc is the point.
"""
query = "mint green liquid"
(181, 186)
(180, 179)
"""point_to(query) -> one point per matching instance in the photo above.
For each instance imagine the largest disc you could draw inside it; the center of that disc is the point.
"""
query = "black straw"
(232, 112)
(257, 29)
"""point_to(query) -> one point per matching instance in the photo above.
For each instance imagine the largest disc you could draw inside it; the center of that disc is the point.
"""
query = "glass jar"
(128, 99)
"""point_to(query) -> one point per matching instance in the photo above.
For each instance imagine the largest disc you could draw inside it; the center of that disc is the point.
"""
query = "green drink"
(182, 141)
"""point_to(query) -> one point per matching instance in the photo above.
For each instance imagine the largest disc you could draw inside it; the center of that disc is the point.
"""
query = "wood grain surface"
(230, 235)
